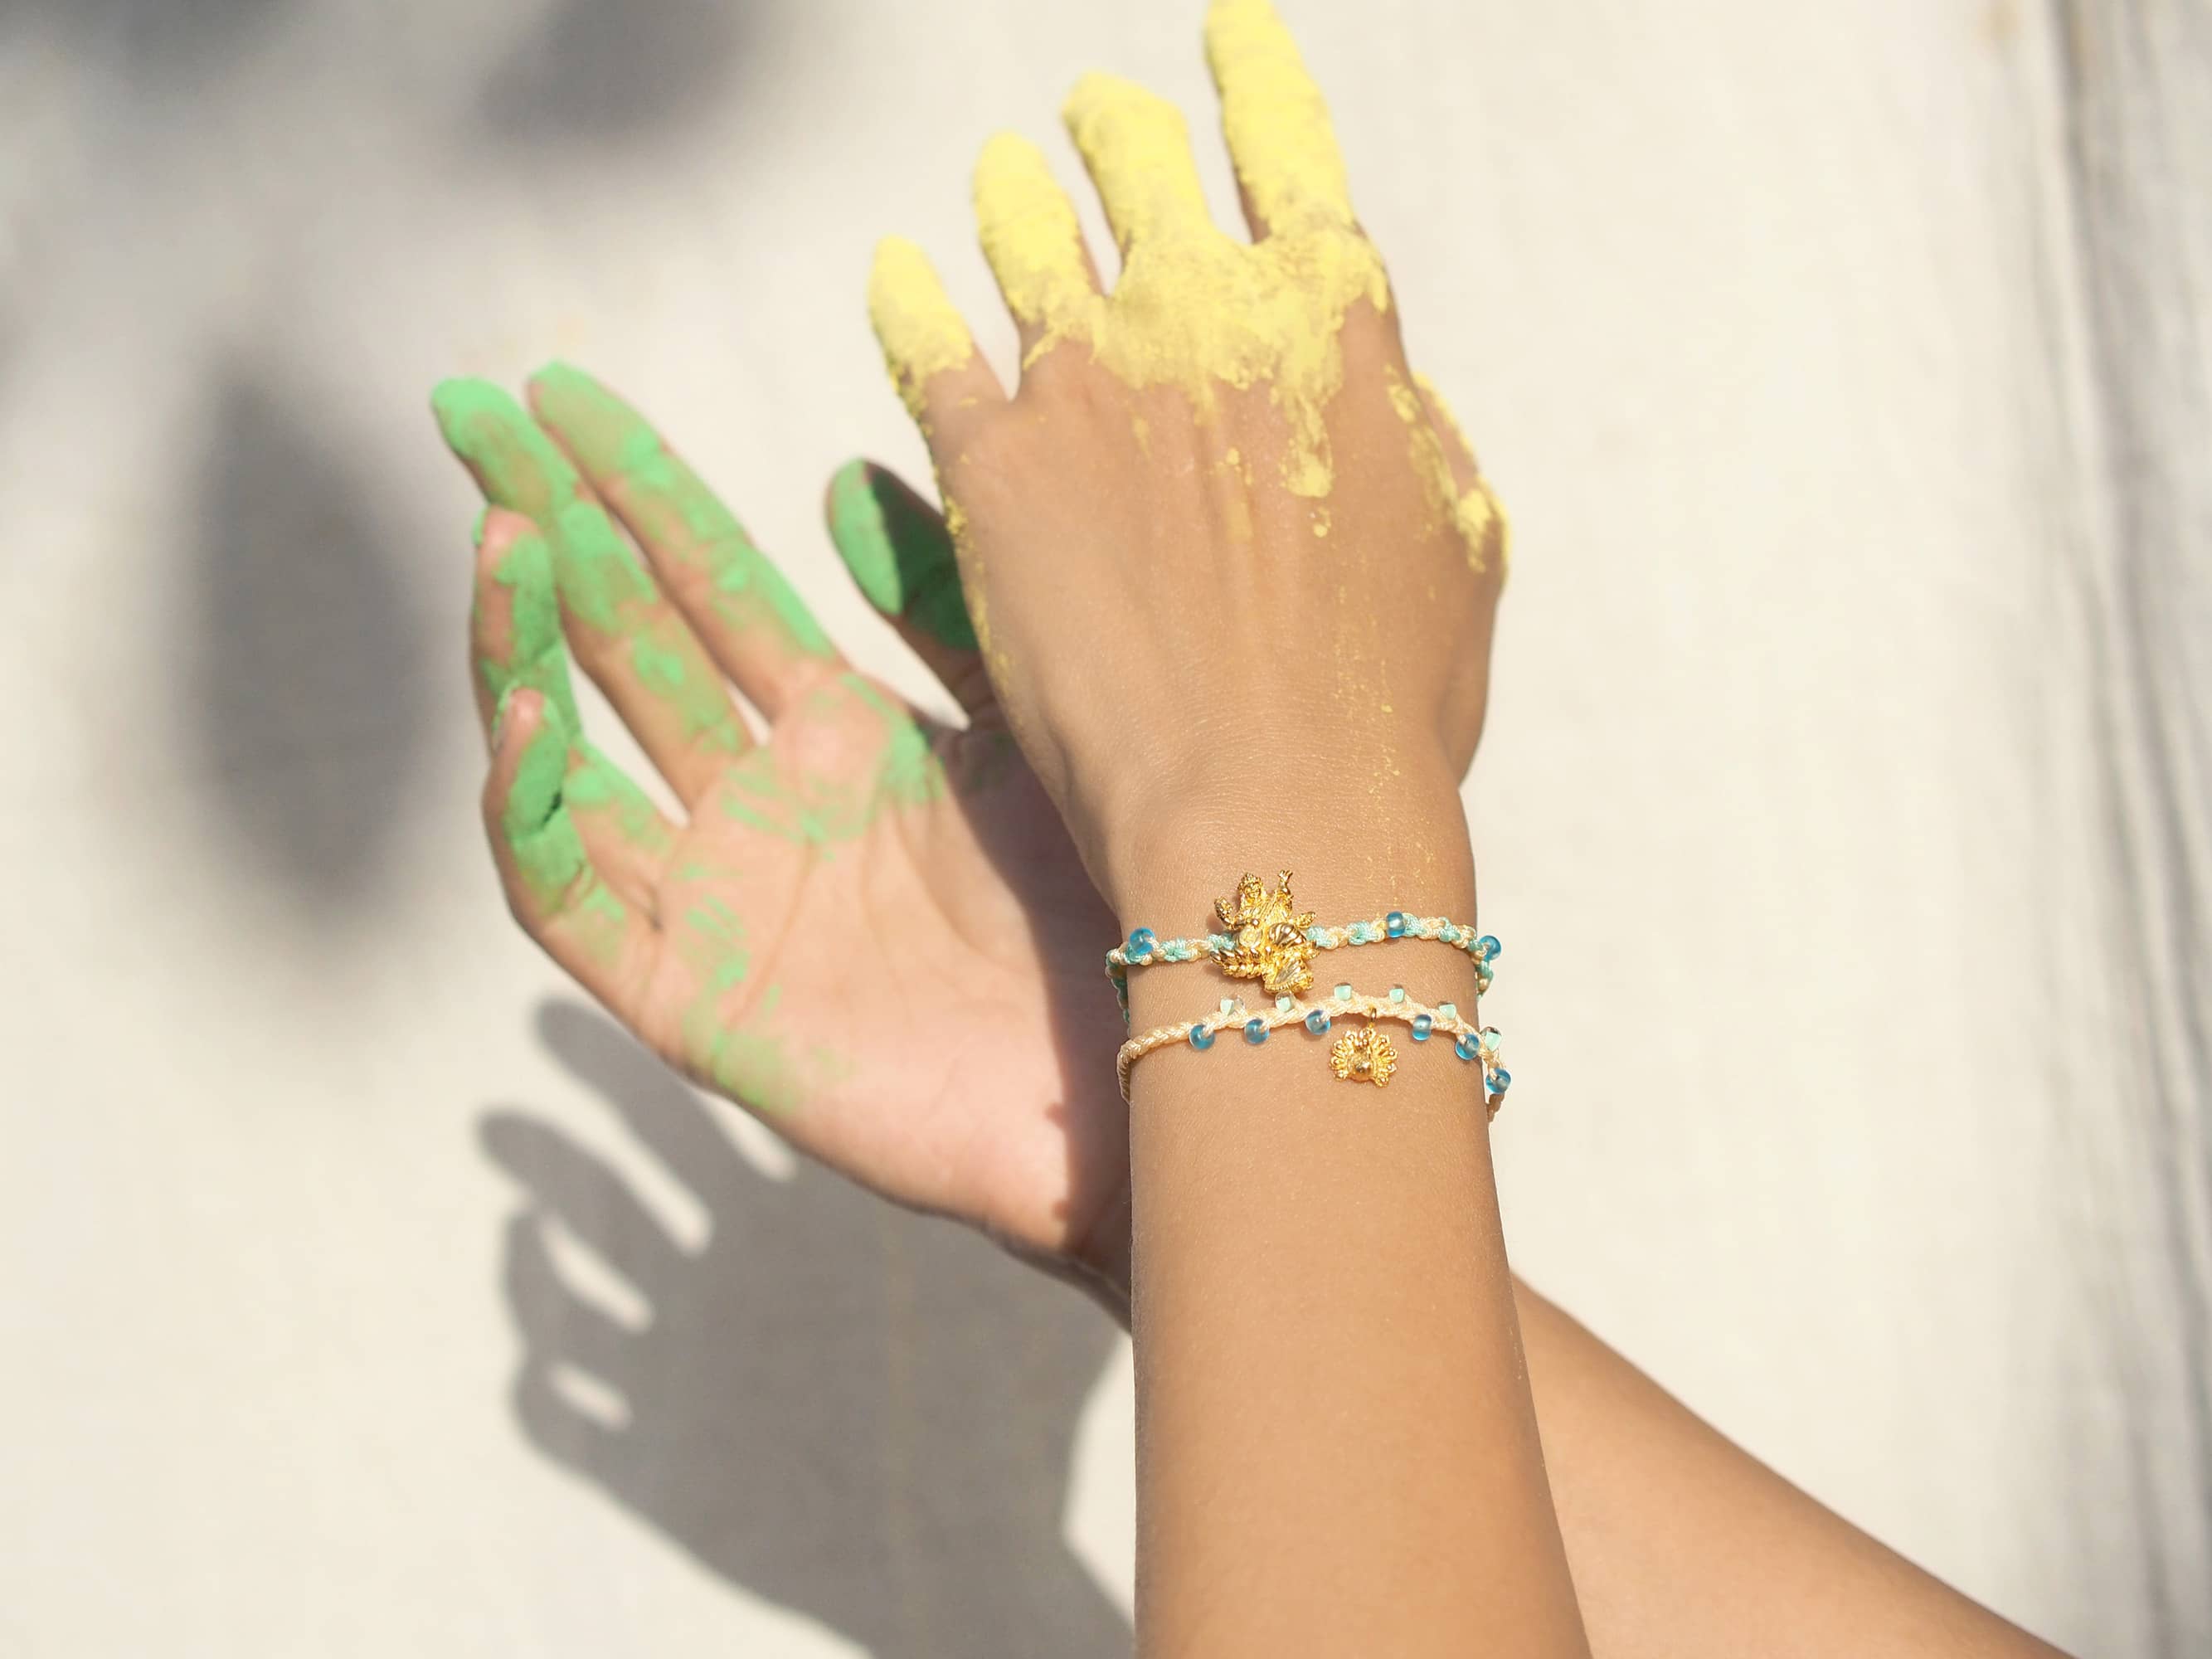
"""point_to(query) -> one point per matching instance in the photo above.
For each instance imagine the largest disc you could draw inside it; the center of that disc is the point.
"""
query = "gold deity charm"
(1269, 942)
(1364, 1056)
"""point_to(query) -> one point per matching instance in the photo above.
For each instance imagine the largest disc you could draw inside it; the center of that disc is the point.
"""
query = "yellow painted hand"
(868, 929)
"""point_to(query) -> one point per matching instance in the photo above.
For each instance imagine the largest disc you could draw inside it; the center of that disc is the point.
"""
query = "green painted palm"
(870, 928)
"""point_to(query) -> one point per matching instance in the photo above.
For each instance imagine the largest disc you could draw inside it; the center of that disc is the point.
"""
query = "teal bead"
(1284, 1005)
(1489, 946)
(1500, 1080)
(1422, 1026)
(1139, 947)
(1397, 994)
(1489, 1038)
(1201, 1036)
(1255, 1030)
(1396, 924)
(1344, 994)
(1466, 1047)
(1447, 1010)
(1317, 1021)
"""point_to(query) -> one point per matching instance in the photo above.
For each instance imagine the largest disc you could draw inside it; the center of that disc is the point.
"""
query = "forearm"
(1337, 1451)
(1684, 1544)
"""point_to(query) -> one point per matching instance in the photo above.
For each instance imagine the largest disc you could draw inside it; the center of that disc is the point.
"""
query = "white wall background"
(1844, 808)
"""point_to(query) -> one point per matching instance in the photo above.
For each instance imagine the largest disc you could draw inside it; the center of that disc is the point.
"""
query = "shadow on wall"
(856, 1411)
(598, 70)
(302, 656)
(153, 40)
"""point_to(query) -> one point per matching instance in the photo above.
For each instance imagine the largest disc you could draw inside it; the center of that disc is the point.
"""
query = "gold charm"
(1364, 1056)
(1271, 943)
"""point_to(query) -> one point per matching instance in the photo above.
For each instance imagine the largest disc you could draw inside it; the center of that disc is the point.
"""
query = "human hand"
(1228, 559)
(869, 929)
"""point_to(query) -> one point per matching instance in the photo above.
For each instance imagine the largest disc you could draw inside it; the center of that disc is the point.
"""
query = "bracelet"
(1364, 1055)
(1272, 942)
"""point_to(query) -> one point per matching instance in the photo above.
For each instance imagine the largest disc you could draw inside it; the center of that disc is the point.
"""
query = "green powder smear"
(599, 576)
(899, 553)
(666, 498)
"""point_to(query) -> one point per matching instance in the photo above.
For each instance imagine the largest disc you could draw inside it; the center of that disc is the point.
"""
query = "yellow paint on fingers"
(1030, 235)
(921, 333)
(1274, 120)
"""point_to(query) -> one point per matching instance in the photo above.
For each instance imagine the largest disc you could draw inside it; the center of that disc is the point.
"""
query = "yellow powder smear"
(1195, 308)
(1480, 520)
(1029, 231)
(1273, 117)
(920, 332)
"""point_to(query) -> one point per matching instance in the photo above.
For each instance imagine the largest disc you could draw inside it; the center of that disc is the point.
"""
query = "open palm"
(870, 928)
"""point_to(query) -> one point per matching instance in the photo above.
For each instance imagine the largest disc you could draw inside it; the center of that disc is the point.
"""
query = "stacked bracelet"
(1364, 1054)
(1262, 920)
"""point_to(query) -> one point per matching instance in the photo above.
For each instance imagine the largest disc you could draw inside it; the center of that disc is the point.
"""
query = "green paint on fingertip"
(476, 530)
(899, 554)
(519, 467)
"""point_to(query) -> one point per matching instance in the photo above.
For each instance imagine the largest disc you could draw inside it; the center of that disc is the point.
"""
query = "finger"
(555, 1322)
(560, 897)
(900, 556)
(566, 1434)
(1289, 170)
(751, 621)
(595, 1206)
(933, 360)
(629, 639)
(1137, 151)
(1030, 235)
(1482, 523)
(514, 629)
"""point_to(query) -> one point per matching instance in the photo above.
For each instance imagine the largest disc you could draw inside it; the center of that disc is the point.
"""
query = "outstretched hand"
(867, 927)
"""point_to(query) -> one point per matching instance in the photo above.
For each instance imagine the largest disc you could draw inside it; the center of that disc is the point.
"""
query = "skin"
(1679, 1543)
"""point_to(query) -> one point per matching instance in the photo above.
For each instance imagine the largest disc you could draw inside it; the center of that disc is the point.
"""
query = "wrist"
(1359, 845)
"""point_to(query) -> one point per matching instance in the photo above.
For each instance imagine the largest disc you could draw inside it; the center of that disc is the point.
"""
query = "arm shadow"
(858, 1413)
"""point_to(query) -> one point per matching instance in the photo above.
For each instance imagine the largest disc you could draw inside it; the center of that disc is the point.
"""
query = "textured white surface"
(1844, 806)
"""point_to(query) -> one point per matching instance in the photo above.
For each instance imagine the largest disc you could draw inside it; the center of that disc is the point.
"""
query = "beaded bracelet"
(1271, 942)
(1364, 1055)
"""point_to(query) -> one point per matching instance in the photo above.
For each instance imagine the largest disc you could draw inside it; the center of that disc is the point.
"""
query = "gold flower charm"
(1364, 1056)
(1270, 942)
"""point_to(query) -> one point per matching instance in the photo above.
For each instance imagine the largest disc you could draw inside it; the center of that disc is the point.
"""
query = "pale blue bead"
(1344, 994)
(1397, 994)
(1447, 1010)
(1422, 1026)
(1139, 947)
(1284, 1004)
(1201, 1036)
(1317, 1021)
(1255, 1030)
(1489, 1037)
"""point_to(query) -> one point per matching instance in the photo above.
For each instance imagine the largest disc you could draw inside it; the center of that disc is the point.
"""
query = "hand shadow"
(861, 1413)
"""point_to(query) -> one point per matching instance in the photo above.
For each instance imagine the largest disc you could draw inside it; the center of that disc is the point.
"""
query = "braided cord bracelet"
(1143, 949)
(1364, 1055)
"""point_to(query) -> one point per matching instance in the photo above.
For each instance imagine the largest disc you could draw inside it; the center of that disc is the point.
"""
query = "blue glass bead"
(1317, 1021)
(1201, 1036)
(1500, 1080)
(1489, 946)
(1139, 947)
(1394, 923)
(1447, 1010)
(1344, 994)
(1422, 1026)
(1466, 1048)
(1255, 1030)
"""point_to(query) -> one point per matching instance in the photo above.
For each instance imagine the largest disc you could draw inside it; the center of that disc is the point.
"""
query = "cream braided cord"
(1235, 1020)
